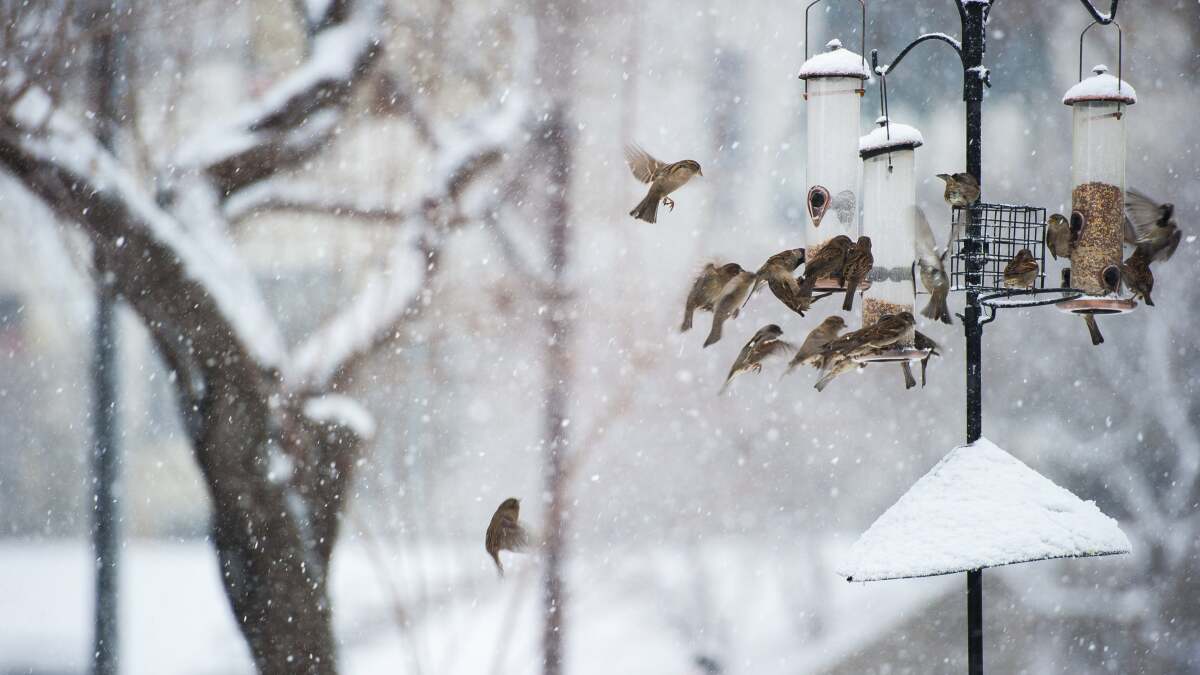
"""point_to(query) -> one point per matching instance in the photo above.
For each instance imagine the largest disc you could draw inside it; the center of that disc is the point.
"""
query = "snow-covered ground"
(754, 606)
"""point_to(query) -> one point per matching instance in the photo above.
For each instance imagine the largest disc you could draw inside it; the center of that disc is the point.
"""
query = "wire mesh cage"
(987, 237)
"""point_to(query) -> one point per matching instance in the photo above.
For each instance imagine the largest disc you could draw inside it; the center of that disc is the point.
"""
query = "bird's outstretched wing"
(1142, 215)
(641, 163)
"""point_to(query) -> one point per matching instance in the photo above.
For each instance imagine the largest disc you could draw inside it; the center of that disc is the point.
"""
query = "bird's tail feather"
(715, 334)
(848, 303)
(687, 322)
(1093, 329)
(647, 209)
(909, 380)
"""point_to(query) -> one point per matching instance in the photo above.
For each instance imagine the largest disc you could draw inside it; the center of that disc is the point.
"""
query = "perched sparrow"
(504, 533)
(1151, 226)
(826, 332)
(924, 342)
(962, 189)
(706, 290)
(663, 179)
(732, 296)
(1093, 329)
(859, 261)
(1058, 236)
(1021, 271)
(764, 344)
(777, 273)
(932, 269)
(1137, 275)
(889, 330)
(1110, 279)
(828, 261)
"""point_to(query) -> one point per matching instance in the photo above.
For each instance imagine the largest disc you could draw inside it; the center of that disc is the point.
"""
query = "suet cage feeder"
(833, 91)
(889, 213)
(1098, 105)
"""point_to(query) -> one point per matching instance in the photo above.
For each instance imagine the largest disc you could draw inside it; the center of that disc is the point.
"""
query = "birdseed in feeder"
(1099, 243)
(874, 309)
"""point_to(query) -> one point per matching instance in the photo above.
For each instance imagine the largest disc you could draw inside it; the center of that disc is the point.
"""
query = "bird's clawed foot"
(757, 368)
(668, 202)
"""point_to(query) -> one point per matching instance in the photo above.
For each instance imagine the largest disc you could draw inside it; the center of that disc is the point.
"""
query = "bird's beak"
(944, 176)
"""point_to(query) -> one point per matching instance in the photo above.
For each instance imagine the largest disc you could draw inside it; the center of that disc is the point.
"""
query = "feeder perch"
(1098, 106)
(833, 89)
(980, 507)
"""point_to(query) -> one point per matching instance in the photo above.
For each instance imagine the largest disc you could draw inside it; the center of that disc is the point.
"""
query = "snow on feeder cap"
(1098, 190)
(833, 89)
(980, 507)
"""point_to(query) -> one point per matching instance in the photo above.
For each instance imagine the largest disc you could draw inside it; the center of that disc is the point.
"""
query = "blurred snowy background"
(362, 210)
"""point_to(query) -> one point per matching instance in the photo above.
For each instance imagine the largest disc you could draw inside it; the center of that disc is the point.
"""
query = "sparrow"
(732, 296)
(826, 261)
(825, 332)
(1059, 238)
(663, 179)
(1135, 271)
(1151, 226)
(1093, 329)
(504, 533)
(932, 268)
(962, 189)
(839, 364)
(706, 290)
(765, 343)
(926, 344)
(858, 265)
(884, 333)
(777, 273)
(1021, 271)
(1110, 279)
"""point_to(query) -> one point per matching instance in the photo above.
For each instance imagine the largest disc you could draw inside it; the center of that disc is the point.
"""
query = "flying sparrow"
(826, 261)
(1151, 226)
(1021, 271)
(1137, 275)
(1093, 329)
(765, 343)
(932, 268)
(663, 179)
(504, 533)
(777, 273)
(837, 364)
(889, 330)
(859, 261)
(962, 189)
(732, 296)
(826, 332)
(1059, 238)
(706, 290)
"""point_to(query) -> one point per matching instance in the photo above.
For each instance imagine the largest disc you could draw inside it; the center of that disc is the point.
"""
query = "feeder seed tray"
(1014, 298)
(1097, 306)
(831, 284)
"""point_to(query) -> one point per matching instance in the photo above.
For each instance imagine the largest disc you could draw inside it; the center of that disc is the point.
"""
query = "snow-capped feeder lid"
(835, 61)
(889, 137)
(1101, 87)
(979, 507)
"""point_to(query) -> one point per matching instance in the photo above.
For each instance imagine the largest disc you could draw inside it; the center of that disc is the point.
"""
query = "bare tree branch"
(299, 115)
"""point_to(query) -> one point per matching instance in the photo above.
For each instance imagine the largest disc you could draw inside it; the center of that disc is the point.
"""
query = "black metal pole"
(105, 80)
(974, 14)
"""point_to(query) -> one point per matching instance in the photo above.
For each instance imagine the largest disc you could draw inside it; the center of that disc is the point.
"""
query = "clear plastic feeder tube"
(1099, 105)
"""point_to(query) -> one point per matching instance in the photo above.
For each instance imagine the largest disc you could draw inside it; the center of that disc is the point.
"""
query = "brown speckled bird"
(826, 332)
(765, 344)
(1021, 271)
(706, 290)
(732, 297)
(1137, 275)
(925, 343)
(932, 270)
(1058, 236)
(962, 189)
(663, 179)
(826, 261)
(1151, 226)
(778, 273)
(504, 533)
(880, 335)
(859, 261)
